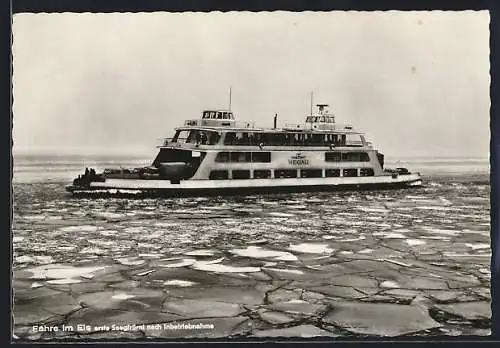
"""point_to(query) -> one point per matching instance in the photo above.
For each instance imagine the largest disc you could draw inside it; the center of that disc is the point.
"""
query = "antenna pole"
(230, 88)
(312, 102)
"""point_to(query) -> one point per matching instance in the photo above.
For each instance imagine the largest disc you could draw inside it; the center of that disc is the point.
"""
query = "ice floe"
(293, 271)
(81, 228)
(215, 267)
(176, 263)
(390, 235)
(145, 272)
(277, 214)
(327, 237)
(346, 252)
(201, 252)
(109, 215)
(389, 284)
(478, 246)
(260, 253)
(92, 250)
(130, 261)
(64, 281)
(122, 296)
(311, 248)
(179, 283)
(63, 272)
(373, 210)
(43, 259)
(23, 259)
(35, 285)
(415, 242)
(108, 233)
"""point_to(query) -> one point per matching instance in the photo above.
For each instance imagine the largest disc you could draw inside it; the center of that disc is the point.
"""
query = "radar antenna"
(321, 107)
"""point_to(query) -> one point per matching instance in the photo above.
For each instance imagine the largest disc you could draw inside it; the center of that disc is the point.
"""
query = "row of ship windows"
(289, 139)
(265, 157)
(290, 173)
(268, 139)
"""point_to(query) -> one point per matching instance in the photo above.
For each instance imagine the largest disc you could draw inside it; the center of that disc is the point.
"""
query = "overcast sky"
(416, 82)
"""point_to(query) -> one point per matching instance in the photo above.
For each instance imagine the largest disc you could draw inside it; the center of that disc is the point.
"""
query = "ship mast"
(230, 88)
(311, 103)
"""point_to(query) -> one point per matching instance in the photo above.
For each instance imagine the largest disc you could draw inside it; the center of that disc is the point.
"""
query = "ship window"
(274, 139)
(333, 157)
(241, 157)
(230, 115)
(350, 172)
(311, 173)
(307, 139)
(355, 157)
(309, 119)
(350, 157)
(261, 157)
(241, 174)
(317, 139)
(332, 173)
(230, 138)
(339, 139)
(298, 139)
(213, 138)
(222, 157)
(219, 115)
(366, 172)
(322, 119)
(180, 136)
(243, 139)
(347, 157)
(194, 137)
(218, 175)
(285, 173)
(261, 174)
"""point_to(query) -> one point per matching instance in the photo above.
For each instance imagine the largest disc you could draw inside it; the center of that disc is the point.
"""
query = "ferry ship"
(218, 155)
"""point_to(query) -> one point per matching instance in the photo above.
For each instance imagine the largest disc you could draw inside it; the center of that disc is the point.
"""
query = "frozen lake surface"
(309, 264)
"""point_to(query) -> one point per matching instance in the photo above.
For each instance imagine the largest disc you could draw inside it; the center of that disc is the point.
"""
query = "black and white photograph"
(250, 175)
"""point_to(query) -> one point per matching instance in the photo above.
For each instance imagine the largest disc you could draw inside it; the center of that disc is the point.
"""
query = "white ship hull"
(250, 186)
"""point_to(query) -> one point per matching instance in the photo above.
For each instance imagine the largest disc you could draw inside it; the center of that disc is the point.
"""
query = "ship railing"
(167, 141)
(318, 126)
(218, 123)
(354, 143)
(290, 126)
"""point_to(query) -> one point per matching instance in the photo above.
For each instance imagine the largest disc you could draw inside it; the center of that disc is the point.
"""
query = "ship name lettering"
(298, 162)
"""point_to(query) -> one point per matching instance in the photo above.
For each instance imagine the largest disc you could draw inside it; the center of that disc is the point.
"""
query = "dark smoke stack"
(275, 120)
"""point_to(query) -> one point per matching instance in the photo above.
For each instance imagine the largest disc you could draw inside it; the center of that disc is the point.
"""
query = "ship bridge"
(322, 116)
(217, 118)
(321, 120)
